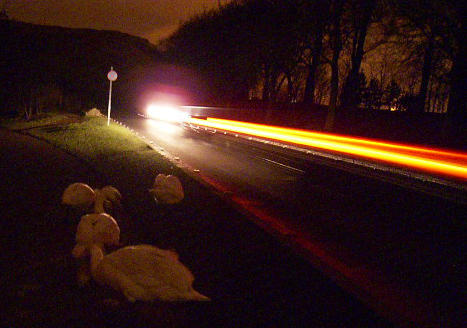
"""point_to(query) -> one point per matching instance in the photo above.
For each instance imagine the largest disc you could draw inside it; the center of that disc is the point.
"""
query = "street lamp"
(112, 76)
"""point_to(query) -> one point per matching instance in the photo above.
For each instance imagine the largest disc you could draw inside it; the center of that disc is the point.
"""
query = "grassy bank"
(88, 138)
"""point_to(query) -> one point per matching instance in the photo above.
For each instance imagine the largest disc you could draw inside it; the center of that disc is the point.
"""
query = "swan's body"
(79, 195)
(144, 273)
(167, 189)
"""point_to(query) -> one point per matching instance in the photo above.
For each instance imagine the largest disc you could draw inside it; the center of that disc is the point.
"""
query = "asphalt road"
(242, 169)
(415, 238)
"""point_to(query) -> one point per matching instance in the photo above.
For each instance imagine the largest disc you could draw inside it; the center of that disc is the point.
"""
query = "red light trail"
(436, 161)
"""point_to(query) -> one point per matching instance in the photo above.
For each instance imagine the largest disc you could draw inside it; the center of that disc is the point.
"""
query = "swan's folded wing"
(148, 264)
(162, 271)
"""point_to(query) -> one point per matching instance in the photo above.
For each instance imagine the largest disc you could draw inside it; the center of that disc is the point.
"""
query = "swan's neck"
(99, 202)
(97, 254)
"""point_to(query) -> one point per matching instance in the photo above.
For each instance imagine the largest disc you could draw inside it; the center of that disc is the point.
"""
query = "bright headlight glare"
(166, 112)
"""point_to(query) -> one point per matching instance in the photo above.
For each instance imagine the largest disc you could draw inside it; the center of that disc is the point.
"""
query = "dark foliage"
(241, 44)
(43, 67)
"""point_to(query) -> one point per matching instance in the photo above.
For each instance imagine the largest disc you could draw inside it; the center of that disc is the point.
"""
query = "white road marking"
(283, 165)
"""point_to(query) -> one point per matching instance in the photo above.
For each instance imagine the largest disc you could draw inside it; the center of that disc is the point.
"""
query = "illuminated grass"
(91, 138)
(114, 151)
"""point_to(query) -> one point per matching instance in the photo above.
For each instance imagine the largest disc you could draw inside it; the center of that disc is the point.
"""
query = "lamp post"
(112, 76)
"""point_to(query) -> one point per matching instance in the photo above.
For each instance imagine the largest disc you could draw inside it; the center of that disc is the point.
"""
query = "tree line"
(377, 54)
(45, 68)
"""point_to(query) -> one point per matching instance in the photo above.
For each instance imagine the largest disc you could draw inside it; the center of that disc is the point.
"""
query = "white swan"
(144, 273)
(93, 228)
(83, 197)
(141, 272)
(167, 189)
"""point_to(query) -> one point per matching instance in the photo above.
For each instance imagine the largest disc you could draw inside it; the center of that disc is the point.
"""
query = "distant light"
(166, 112)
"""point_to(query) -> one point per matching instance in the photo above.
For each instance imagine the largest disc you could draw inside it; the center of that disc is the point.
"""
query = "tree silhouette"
(318, 13)
(337, 7)
(361, 12)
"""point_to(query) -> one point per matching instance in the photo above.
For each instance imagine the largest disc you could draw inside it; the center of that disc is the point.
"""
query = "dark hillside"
(45, 66)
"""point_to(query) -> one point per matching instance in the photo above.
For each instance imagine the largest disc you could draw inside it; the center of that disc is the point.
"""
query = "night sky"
(150, 19)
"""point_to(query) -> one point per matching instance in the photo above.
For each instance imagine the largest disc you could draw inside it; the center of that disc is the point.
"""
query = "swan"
(82, 196)
(167, 189)
(93, 228)
(141, 272)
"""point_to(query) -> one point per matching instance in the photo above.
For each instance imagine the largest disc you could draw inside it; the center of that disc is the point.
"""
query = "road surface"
(415, 238)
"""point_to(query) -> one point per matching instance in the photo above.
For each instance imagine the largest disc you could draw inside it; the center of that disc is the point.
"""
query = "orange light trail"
(353, 140)
(443, 162)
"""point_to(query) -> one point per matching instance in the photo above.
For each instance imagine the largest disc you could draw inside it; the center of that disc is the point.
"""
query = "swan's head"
(96, 229)
(107, 198)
